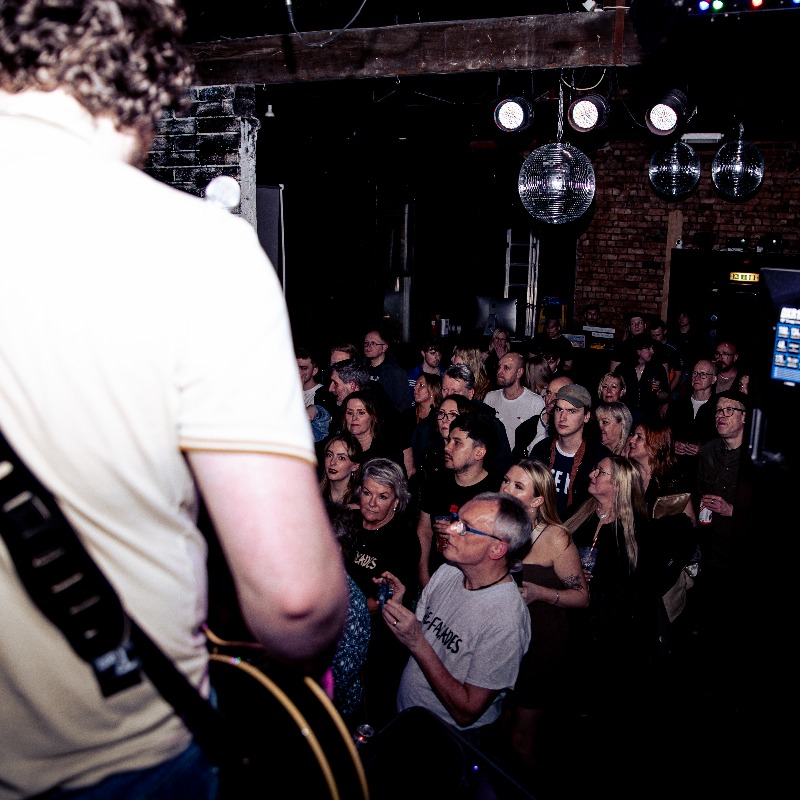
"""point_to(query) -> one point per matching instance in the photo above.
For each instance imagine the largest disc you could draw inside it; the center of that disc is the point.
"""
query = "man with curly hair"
(136, 373)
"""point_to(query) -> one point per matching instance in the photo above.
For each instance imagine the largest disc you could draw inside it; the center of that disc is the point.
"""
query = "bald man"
(513, 402)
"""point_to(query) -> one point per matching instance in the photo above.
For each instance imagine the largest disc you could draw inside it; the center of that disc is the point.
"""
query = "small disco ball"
(737, 169)
(675, 171)
(556, 183)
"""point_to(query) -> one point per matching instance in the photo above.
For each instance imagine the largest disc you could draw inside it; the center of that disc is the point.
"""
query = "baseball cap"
(576, 395)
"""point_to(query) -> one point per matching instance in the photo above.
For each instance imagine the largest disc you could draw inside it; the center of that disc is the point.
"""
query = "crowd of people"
(631, 488)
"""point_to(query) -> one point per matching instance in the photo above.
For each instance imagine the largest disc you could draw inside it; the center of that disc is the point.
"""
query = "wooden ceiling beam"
(549, 41)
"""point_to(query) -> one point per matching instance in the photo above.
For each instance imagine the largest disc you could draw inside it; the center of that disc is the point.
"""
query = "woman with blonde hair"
(552, 581)
(611, 388)
(537, 374)
(614, 422)
(608, 530)
(471, 356)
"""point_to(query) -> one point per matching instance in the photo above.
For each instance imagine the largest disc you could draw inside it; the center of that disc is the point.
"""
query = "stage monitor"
(494, 312)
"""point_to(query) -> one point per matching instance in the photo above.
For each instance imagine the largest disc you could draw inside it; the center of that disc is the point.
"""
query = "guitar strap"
(74, 594)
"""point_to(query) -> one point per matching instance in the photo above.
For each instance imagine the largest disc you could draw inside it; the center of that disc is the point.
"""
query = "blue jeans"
(189, 776)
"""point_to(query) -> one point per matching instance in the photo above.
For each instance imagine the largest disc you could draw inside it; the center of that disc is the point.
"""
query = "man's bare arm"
(285, 562)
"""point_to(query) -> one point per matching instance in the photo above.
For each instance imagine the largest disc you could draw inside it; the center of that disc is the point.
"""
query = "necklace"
(602, 516)
(478, 588)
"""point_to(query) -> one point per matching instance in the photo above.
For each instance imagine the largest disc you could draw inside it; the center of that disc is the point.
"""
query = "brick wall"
(623, 258)
(216, 136)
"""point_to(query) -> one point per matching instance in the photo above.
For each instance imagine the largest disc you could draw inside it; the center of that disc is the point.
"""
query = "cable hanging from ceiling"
(329, 39)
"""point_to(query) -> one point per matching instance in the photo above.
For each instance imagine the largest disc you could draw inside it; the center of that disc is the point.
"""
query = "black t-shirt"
(394, 547)
(442, 492)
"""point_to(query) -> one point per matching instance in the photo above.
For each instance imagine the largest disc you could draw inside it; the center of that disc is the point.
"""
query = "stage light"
(588, 112)
(513, 114)
(665, 116)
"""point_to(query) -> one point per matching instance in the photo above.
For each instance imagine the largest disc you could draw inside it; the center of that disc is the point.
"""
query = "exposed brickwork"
(623, 254)
(190, 150)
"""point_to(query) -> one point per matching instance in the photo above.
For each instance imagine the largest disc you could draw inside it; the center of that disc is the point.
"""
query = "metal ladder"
(522, 275)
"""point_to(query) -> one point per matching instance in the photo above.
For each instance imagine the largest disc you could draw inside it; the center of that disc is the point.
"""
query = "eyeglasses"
(721, 354)
(448, 416)
(569, 411)
(374, 344)
(727, 411)
(461, 528)
(697, 374)
(600, 472)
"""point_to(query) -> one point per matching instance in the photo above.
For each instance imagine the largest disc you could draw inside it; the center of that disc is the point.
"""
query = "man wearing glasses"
(725, 359)
(471, 626)
(384, 369)
(691, 419)
(569, 453)
(725, 479)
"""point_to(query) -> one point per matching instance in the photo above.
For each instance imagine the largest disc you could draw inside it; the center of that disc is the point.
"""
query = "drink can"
(704, 517)
(362, 735)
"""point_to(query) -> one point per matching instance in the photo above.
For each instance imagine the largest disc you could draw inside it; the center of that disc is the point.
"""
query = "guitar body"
(294, 740)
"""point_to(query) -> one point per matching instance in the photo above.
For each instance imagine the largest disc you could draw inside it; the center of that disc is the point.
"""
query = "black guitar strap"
(73, 593)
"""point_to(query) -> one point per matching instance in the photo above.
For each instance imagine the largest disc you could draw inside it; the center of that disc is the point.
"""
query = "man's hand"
(716, 504)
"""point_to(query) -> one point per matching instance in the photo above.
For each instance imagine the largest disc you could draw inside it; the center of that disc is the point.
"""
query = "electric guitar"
(293, 738)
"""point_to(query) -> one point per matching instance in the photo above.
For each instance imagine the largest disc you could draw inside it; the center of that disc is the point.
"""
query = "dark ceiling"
(734, 68)
(351, 153)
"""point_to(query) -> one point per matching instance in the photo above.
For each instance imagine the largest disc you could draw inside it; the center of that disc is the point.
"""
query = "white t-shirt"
(480, 636)
(512, 412)
(308, 394)
(138, 322)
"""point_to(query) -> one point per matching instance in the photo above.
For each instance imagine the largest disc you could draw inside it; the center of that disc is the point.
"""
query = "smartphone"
(385, 593)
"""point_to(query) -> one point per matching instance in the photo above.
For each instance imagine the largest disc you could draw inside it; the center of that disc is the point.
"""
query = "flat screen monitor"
(786, 352)
(783, 290)
(494, 312)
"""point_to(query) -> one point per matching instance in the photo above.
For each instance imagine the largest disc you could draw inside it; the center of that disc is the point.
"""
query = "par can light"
(589, 112)
(513, 114)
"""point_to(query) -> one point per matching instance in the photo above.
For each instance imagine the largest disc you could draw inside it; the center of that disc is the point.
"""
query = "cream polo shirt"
(136, 323)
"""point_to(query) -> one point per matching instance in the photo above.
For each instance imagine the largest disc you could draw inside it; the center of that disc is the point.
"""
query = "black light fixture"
(666, 115)
(588, 113)
(513, 114)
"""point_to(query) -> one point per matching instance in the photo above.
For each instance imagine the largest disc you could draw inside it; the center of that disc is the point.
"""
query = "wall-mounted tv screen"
(783, 292)
(786, 352)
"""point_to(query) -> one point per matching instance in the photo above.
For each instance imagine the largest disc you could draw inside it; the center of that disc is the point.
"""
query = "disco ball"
(675, 171)
(556, 183)
(737, 169)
